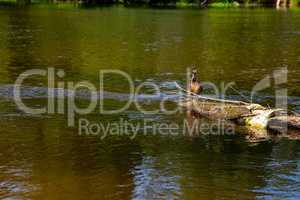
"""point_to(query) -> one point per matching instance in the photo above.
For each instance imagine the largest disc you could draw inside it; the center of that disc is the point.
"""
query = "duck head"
(194, 75)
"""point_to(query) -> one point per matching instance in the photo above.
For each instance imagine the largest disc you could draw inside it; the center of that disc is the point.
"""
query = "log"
(247, 114)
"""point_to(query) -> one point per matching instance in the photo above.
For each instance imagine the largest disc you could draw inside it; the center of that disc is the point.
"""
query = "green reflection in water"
(40, 157)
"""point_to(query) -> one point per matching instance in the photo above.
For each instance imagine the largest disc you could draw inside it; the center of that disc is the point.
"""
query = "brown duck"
(195, 86)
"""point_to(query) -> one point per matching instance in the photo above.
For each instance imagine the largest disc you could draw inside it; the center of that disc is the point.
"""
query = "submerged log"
(214, 109)
(247, 114)
(243, 113)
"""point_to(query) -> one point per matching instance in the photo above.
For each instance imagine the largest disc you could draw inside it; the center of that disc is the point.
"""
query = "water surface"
(42, 158)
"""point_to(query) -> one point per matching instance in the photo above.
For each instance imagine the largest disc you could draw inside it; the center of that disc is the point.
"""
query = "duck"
(194, 85)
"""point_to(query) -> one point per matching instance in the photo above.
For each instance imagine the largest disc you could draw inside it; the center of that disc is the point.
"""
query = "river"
(42, 158)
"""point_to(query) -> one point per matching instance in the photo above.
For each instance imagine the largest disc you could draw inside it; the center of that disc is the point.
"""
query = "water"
(41, 157)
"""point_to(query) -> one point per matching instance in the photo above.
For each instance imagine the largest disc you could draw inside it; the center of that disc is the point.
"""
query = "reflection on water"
(153, 182)
(41, 157)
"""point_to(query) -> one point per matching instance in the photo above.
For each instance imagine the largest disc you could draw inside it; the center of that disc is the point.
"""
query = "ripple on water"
(153, 182)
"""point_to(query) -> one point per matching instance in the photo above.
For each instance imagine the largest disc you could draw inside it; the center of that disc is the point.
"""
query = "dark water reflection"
(40, 157)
